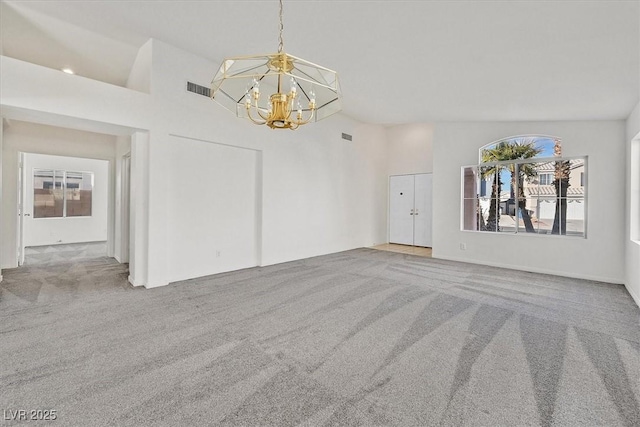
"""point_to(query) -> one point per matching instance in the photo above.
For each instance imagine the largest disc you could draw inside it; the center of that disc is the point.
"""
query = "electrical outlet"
(217, 254)
(463, 246)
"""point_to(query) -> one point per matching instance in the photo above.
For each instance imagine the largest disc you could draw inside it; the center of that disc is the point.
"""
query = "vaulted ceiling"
(399, 61)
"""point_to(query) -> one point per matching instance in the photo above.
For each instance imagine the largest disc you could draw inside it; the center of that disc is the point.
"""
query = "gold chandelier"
(300, 91)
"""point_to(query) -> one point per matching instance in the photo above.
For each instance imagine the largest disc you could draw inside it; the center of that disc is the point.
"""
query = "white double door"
(410, 209)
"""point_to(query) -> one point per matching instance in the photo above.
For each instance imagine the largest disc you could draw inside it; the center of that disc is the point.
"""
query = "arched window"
(523, 184)
(545, 146)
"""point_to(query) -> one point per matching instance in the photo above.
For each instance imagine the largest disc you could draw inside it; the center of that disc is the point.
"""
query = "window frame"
(64, 192)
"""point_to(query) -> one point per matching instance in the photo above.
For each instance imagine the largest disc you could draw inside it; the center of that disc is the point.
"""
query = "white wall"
(51, 231)
(214, 209)
(2, 200)
(41, 139)
(122, 208)
(599, 257)
(410, 149)
(320, 194)
(632, 243)
(140, 74)
(39, 91)
(139, 210)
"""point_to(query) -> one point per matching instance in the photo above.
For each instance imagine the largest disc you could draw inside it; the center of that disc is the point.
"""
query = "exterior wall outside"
(544, 209)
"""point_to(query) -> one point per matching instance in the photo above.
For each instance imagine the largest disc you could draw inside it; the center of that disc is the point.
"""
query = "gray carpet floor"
(362, 337)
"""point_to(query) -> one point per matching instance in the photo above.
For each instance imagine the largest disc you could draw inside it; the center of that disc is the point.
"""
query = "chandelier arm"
(304, 122)
(252, 119)
(289, 108)
(265, 118)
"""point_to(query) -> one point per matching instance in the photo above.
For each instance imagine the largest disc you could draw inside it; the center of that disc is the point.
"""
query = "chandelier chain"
(281, 45)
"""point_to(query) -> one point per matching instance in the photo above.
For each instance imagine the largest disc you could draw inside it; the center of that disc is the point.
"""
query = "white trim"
(636, 298)
(133, 282)
(526, 161)
(158, 285)
(177, 135)
(535, 270)
(524, 233)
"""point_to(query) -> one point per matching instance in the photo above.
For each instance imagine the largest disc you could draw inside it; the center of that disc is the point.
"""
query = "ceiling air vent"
(197, 89)
(347, 136)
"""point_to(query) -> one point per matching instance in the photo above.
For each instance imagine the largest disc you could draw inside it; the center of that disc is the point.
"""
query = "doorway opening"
(404, 249)
(63, 208)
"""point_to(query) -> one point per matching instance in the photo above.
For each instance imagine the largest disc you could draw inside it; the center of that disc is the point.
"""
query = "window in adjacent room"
(59, 194)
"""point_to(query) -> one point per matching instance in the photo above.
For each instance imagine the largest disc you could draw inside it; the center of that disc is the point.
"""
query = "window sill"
(534, 235)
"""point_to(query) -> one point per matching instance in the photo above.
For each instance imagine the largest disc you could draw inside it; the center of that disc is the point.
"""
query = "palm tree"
(561, 183)
(498, 153)
(516, 149)
(493, 220)
(522, 148)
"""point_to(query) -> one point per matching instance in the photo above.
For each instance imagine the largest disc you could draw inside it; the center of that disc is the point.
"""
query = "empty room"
(320, 213)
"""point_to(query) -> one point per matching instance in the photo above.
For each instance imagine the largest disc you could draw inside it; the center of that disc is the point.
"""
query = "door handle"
(27, 214)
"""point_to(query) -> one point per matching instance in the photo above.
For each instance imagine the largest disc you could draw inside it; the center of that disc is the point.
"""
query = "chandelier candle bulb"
(238, 82)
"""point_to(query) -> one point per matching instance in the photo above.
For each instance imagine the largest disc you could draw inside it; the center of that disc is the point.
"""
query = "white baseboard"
(635, 297)
(133, 282)
(536, 270)
(155, 285)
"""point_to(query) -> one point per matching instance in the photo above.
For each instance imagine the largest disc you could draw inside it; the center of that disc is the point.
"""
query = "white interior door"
(423, 211)
(401, 201)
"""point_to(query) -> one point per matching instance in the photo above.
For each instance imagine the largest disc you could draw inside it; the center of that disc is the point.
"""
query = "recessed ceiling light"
(68, 71)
